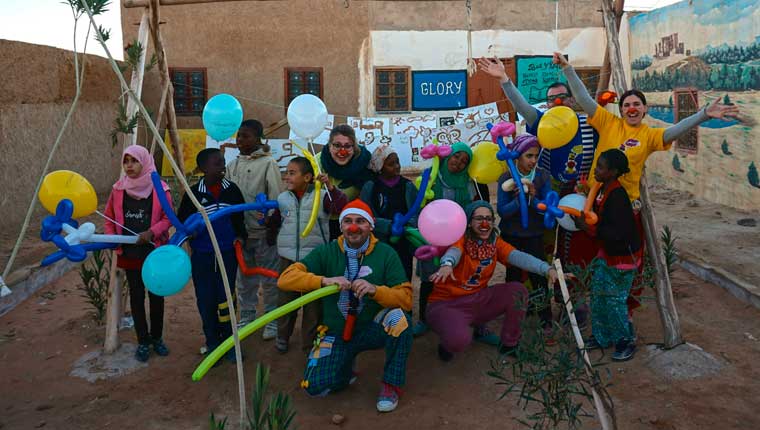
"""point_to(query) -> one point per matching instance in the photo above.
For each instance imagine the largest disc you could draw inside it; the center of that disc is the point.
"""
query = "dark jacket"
(508, 206)
(616, 229)
(227, 228)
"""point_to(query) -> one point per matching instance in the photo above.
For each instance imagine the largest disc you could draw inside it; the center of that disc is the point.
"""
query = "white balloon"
(576, 201)
(307, 116)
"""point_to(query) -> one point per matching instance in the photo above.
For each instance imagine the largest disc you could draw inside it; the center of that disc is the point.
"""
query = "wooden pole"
(665, 303)
(163, 67)
(145, 3)
(604, 73)
(160, 116)
(114, 310)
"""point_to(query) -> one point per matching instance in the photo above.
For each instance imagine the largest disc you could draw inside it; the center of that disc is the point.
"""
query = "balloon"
(250, 271)
(307, 116)
(442, 222)
(436, 152)
(485, 167)
(317, 189)
(222, 116)
(557, 127)
(166, 270)
(551, 211)
(399, 220)
(498, 133)
(65, 184)
(573, 201)
(249, 329)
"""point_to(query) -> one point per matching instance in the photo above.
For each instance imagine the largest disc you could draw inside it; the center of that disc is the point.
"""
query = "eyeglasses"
(480, 218)
(561, 96)
(338, 146)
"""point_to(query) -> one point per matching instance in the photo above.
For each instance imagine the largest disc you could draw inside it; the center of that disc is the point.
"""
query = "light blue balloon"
(166, 270)
(222, 116)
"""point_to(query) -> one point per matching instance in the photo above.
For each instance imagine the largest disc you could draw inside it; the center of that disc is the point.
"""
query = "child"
(295, 206)
(214, 192)
(618, 258)
(255, 171)
(388, 194)
(528, 240)
(133, 206)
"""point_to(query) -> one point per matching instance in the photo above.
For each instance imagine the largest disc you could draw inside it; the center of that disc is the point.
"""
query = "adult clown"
(369, 313)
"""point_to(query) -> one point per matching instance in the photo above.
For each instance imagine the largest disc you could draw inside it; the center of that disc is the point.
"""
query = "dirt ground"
(42, 338)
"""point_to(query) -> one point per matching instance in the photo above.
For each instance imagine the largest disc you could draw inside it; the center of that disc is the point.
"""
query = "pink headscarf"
(140, 187)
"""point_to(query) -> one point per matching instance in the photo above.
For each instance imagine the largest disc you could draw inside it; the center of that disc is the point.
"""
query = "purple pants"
(453, 319)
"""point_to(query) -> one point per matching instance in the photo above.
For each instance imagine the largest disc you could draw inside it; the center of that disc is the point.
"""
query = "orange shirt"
(638, 143)
(471, 275)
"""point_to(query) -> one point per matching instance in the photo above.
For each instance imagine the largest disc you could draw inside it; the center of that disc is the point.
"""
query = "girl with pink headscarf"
(133, 208)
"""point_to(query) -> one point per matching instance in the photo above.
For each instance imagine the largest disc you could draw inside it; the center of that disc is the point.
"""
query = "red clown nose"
(485, 224)
(342, 153)
(631, 111)
(558, 102)
(353, 229)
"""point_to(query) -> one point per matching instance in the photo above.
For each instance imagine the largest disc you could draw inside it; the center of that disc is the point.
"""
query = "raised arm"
(495, 68)
(580, 93)
(713, 110)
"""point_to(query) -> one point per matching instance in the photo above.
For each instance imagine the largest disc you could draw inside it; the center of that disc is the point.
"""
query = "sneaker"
(387, 400)
(444, 354)
(270, 331)
(624, 350)
(160, 348)
(483, 335)
(143, 352)
(419, 329)
(246, 317)
(281, 345)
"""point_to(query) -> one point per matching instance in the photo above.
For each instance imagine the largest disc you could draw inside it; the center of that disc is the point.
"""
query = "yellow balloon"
(65, 184)
(557, 127)
(485, 167)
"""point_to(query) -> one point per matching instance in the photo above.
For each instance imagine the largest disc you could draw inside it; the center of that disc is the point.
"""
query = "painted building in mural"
(689, 54)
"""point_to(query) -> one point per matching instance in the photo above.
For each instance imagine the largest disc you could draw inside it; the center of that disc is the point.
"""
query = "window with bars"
(392, 89)
(685, 104)
(190, 90)
(302, 80)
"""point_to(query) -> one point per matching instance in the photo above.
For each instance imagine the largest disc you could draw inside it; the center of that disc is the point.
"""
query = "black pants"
(137, 304)
(426, 287)
(539, 301)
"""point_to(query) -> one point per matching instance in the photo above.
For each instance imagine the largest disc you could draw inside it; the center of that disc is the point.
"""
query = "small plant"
(123, 124)
(95, 277)
(669, 248)
(277, 414)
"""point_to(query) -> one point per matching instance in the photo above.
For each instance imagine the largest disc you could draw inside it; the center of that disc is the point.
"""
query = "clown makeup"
(633, 110)
(342, 149)
(481, 223)
(356, 230)
(132, 167)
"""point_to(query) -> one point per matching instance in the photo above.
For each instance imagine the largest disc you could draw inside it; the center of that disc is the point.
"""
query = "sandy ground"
(42, 338)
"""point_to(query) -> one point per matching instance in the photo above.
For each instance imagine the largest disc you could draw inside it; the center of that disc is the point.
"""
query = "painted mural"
(684, 56)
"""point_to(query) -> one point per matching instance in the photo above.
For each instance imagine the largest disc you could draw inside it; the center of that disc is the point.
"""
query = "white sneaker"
(270, 331)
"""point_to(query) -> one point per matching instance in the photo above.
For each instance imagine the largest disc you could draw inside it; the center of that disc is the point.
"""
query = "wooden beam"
(604, 73)
(665, 303)
(145, 3)
(160, 116)
(138, 74)
(163, 67)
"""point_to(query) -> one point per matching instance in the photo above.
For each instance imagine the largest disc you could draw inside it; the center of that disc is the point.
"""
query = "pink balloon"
(442, 222)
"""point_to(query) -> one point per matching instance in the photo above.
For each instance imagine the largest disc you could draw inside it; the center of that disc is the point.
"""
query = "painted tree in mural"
(724, 148)
(752, 176)
(677, 164)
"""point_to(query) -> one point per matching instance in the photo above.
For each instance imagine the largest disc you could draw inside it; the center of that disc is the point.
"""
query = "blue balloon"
(399, 220)
(510, 156)
(166, 270)
(222, 116)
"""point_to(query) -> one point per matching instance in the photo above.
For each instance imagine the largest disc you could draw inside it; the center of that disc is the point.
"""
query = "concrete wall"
(721, 169)
(36, 91)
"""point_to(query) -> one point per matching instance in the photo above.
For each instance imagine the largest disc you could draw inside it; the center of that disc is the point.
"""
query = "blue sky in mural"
(716, 11)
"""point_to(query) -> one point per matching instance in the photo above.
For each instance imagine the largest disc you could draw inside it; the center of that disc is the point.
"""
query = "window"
(686, 103)
(590, 78)
(190, 90)
(392, 89)
(302, 80)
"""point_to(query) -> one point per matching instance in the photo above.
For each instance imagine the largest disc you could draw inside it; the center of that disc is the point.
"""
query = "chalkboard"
(534, 74)
(439, 89)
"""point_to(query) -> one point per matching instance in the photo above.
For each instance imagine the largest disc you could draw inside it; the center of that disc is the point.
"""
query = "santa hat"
(358, 207)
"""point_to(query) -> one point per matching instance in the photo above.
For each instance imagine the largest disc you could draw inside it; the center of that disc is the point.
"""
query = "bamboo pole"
(145, 3)
(115, 310)
(604, 73)
(665, 303)
(163, 66)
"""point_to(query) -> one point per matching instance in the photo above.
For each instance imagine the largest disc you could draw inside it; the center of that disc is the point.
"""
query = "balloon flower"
(498, 133)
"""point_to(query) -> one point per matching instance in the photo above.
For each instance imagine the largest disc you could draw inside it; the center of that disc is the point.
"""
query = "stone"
(97, 365)
(338, 419)
(747, 222)
(686, 361)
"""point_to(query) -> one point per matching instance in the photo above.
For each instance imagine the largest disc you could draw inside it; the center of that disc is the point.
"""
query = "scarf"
(480, 250)
(353, 265)
(353, 174)
(459, 182)
(140, 187)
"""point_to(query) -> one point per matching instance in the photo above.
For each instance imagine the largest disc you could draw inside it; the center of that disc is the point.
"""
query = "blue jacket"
(508, 207)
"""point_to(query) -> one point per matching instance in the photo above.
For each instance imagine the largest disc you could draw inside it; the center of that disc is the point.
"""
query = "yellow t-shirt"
(637, 143)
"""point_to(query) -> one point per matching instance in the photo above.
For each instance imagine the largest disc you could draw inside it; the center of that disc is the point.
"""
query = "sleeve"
(503, 250)
(506, 203)
(453, 255)
(546, 186)
(110, 227)
(398, 291)
(411, 196)
(365, 194)
(527, 262)
(580, 93)
(616, 217)
(473, 190)
(601, 119)
(333, 202)
(238, 219)
(186, 207)
(521, 105)
(274, 180)
(162, 226)
(297, 277)
(675, 131)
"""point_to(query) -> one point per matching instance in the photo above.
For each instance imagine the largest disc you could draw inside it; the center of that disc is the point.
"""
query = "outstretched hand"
(721, 111)
(493, 67)
(560, 60)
